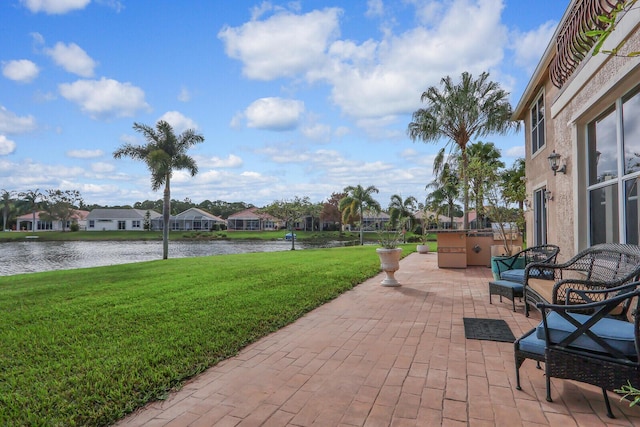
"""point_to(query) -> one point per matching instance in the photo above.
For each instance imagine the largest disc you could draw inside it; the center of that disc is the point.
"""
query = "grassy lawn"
(86, 347)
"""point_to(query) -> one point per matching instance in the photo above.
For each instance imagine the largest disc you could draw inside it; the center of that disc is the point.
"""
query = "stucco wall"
(595, 85)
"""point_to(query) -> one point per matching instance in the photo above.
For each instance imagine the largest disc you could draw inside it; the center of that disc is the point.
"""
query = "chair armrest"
(584, 294)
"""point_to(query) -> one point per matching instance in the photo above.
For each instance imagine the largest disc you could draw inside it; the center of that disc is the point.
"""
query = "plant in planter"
(504, 226)
(390, 235)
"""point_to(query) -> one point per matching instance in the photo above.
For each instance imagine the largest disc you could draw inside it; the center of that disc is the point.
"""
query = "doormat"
(487, 329)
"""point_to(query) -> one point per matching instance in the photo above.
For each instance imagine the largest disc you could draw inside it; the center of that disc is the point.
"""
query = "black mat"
(487, 329)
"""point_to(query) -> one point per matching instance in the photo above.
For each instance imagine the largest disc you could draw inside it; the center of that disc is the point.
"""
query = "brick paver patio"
(379, 356)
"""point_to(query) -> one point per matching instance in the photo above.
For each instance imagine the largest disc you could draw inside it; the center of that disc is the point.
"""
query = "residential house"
(25, 222)
(371, 221)
(114, 219)
(191, 219)
(253, 220)
(582, 152)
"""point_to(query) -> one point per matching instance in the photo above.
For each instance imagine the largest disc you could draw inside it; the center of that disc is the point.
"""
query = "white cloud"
(11, 123)
(72, 58)
(283, 45)
(274, 114)
(184, 95)
(317, 132)
(85, 154)
(105, 97)
(7, 146)
(517, 151)
(20, 70)
(374, 8)
(232, 161)
(178, 121)
(530, 46)
(102, 167)
(54, 7)
(374, 78)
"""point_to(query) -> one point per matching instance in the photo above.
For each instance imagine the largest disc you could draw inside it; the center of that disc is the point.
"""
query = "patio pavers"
(380, 356)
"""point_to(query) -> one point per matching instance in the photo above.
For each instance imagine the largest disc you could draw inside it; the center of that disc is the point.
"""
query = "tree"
(356, 202)
(446, 190)
(163, 153)
(7, 204)
(607, 26)
(33, 198)
(61, 205)
(402, 211)
(289, 212)
(331, 212)
(459, 112)
(514, 189)
(484, 158)
(314, 210)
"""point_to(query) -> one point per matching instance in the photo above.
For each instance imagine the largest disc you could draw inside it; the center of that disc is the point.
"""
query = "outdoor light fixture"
(548, 195)
(554, 162)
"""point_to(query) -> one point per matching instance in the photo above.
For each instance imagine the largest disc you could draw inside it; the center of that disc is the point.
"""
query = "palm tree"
(446, 190)
(513, 188)
(484, 158)
(459, 112)
(6, 206)
(356, 202)
(33, 198)
(163, 153)
(400, 209)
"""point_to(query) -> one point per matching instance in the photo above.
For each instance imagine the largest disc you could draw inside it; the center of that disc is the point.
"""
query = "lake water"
(34, 256)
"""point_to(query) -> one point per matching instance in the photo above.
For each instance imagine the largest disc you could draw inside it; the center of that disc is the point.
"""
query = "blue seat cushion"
(617, 333)
(532, 344)
(508, 284)
(515, 275)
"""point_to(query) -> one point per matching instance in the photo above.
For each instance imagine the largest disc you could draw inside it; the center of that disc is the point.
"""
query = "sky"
(293, 99)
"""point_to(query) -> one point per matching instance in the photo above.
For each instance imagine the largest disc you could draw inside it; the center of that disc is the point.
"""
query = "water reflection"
(33, 256)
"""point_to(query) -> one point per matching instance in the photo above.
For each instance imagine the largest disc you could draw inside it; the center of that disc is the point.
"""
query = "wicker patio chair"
(592, 348)
(602, 266)
(512, 268)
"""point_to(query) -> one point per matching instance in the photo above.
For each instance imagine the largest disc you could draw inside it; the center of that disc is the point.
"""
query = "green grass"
(86, 347)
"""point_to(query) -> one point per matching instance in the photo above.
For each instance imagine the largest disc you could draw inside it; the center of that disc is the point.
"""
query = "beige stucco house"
(583, 110)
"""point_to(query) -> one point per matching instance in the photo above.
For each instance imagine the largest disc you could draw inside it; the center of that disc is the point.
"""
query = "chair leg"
(607, 404)
(513, 301)
(518, 364)
(548, 378)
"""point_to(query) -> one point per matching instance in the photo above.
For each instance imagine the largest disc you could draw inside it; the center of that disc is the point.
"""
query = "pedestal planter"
(389, 263)
(422, 249)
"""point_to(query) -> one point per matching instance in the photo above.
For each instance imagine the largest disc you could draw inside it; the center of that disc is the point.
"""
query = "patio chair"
(601, 266)
(512, 268)
(593, 348)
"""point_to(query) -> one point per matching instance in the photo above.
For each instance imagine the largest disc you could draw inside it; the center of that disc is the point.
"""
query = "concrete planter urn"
(422, 249)
(389, 263)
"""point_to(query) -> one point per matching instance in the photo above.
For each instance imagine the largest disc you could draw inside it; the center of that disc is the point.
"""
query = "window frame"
(534, 134)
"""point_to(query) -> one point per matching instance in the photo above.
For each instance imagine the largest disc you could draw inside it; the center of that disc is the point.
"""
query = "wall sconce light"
(548, 195)
(554, 162)
(527, 203)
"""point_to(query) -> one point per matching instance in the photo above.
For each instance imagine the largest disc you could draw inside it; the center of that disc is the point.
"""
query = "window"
(537, 124)
(135, 223)
(92, 223)
(613, 142)
(540, 217)
(122, 225)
